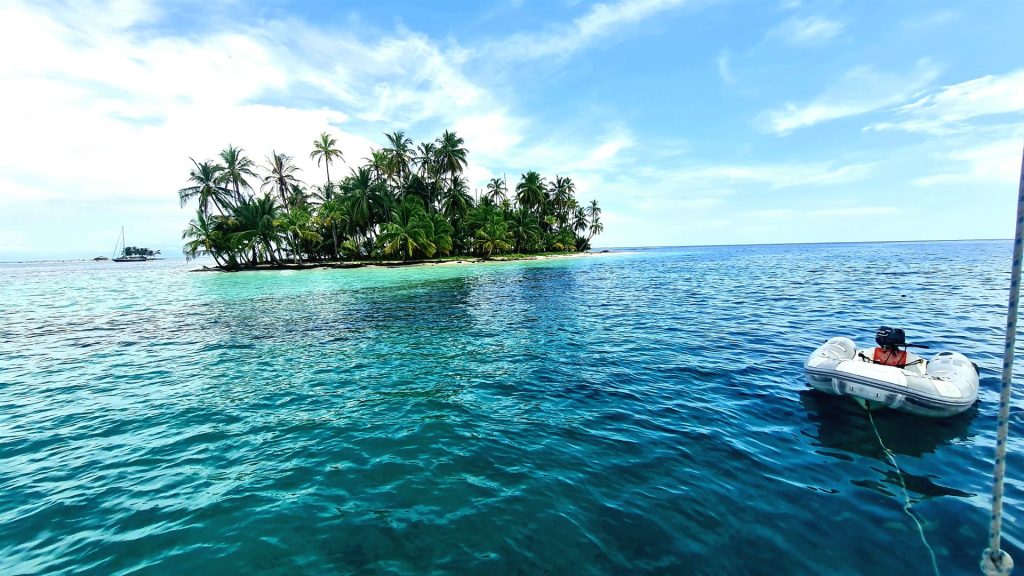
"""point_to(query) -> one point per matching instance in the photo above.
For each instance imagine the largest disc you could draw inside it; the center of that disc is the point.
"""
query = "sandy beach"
(400, 263)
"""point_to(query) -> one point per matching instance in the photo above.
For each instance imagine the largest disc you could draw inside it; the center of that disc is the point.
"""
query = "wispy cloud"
(930, 20)
(562, 40)
(949, 109)
(809, 31)
(858, 91)
(725, 67)
(672, 203)
(840, 212)
(775, 176)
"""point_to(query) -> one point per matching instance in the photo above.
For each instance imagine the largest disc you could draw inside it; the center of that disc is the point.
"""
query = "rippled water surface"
(630, 413)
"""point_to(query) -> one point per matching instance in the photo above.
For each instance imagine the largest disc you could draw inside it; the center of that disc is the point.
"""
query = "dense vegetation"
(402, 202)
(136, 251)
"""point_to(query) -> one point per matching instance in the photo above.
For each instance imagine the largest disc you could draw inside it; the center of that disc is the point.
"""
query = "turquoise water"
(641, 412)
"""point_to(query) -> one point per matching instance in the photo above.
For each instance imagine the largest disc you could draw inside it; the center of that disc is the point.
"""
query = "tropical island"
(403, 203)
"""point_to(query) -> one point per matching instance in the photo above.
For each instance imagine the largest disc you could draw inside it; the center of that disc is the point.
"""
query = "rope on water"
(994, 561)
(906, 494)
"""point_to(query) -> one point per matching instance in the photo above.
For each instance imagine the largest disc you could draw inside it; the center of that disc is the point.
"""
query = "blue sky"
(692, 122)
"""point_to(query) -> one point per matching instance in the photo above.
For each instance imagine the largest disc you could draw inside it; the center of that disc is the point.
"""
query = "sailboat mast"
(116, 242)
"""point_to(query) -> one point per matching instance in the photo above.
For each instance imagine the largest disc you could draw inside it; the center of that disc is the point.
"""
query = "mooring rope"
(994, 561)
(906, 494)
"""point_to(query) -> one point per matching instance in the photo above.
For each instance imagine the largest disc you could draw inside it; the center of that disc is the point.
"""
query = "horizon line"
(935, 240)
(598, 248)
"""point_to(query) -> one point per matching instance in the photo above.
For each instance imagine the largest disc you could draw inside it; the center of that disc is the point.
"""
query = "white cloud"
(128, 109)
(100, 118)
(855, 211)
(561, 40)
(491, 135)
(985, 164)
(858, 91)
(947, 110)
(809, 31)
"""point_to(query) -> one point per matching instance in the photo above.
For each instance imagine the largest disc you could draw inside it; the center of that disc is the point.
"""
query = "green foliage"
(409, 232)
(136, 251)
(493, 236)
(404, 201)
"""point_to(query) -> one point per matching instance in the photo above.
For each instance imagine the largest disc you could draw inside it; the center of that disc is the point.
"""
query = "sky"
(692, 122)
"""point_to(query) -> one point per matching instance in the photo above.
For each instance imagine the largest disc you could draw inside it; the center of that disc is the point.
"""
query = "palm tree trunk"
(296, 256)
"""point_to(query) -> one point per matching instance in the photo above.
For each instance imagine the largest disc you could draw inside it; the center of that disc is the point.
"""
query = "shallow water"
(642, 412)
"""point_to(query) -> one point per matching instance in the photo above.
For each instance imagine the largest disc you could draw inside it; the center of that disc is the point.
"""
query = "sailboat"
(122, 257)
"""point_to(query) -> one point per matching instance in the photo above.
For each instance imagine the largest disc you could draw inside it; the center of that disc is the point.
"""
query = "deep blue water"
(631, 413)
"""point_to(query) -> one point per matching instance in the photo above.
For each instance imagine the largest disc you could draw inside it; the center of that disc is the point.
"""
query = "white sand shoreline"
(400, 263)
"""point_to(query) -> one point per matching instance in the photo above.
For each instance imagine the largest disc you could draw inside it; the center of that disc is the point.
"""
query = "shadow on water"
(843, 430)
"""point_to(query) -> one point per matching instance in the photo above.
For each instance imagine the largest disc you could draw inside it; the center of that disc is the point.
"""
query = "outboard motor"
(889, 342)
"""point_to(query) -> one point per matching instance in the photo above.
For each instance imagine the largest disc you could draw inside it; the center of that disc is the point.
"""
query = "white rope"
(906, 494)
(995, 560)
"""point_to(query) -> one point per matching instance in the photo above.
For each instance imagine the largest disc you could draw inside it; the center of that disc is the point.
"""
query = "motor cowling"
(891, 338)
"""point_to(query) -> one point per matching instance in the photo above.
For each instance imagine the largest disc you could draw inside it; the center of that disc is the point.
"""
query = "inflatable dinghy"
(889, 377)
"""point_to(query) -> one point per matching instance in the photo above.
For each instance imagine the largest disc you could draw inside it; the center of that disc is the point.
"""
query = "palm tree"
(441, 233)
(380, 165)
(579, 219)
(207, 189)
(407, 232)
(562, 191)
(205, 236)
(256, 227)
(530, 191)
(281, 176)
(400, 153)
(428, 169)
(496, 191)
(236, 166)
(451, 156)
(416, 187)
(324, 150)
(325, 193)
(426, 157)
(294, 225)
(457, 201)
(365, 198)
(594, 213)
(333, 214)
(562, 241)
(493, 236)
(526, 234)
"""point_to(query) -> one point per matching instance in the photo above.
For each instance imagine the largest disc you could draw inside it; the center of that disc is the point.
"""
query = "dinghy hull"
(944, 386)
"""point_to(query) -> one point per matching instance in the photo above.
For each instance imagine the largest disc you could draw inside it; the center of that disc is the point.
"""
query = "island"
(404, 204)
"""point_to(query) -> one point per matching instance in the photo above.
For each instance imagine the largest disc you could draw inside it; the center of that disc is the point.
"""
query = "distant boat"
(100, 258)
(122, 257)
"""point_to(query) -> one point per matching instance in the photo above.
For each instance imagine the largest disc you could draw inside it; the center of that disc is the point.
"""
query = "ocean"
(639, 412)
